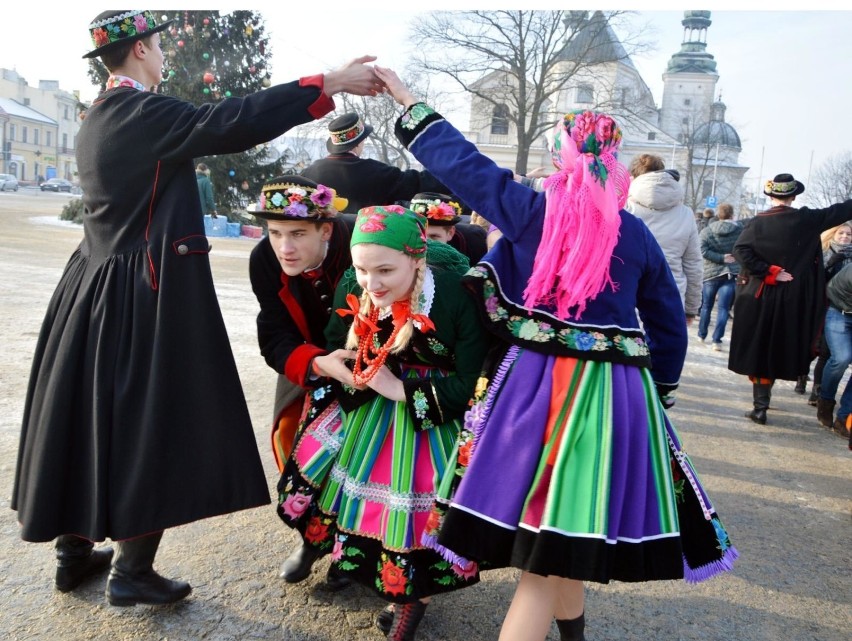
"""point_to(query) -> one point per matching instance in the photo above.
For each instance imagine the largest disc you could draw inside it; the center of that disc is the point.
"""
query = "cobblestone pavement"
(783, 491)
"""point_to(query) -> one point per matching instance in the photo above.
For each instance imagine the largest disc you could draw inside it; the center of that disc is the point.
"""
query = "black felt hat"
(297, 198)
(783, 186)
(345, 132)
(439, 209)
(112, 28)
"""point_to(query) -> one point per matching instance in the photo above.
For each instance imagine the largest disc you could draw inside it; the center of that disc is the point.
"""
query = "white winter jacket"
(657, 198)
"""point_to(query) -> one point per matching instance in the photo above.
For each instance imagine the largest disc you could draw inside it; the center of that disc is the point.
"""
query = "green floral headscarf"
(391, 226)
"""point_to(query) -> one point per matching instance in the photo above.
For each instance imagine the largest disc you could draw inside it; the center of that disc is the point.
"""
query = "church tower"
(689, 82)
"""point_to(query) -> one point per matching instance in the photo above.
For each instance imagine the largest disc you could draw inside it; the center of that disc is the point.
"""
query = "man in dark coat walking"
(780, 306)
(135, 420)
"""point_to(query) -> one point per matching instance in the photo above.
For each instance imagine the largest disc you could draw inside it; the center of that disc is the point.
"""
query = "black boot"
(406, 618)
(76, 561)
(761, 393)
(133, 580)
(298, 565)
(336, 579)
(384, 619)
(801, 384)
(571, 629)
(812, 399)
(825, 412)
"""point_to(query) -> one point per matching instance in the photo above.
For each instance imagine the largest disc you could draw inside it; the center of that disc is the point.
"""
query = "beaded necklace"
(367, 328)
(369, 354)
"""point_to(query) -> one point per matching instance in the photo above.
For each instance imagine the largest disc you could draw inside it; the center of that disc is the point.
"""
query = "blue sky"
(784, 74)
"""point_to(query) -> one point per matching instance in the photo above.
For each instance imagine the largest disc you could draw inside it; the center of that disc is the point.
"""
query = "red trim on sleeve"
(774, 270)
(297, 366)
(323, 104)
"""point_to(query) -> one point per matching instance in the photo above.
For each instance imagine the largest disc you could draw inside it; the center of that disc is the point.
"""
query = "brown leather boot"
(825, 412)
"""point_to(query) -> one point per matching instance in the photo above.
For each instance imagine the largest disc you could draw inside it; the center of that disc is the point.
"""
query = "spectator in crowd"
(707, 216)
(205, 190)
(294, 271)
(836, 254)
(837, 332)
(720, 273)
(657, 198)
(779, 308)
(135, 420)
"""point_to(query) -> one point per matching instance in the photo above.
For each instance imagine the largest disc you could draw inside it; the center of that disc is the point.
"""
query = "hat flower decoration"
(299, 201)
(437, 209)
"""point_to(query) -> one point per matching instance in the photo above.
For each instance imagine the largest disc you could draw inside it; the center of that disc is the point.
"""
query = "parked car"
(8, 182)
(56, 184)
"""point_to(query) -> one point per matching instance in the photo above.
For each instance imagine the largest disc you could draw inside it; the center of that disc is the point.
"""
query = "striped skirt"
(593, 482)
(360, 485)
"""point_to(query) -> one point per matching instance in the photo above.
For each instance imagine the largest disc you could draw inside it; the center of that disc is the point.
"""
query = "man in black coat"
(443, 214)
(294, 271)
(364, 181)
(135, 420)
(779, 306)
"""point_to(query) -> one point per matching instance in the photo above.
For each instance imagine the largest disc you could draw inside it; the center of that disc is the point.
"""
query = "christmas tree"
(212, 57)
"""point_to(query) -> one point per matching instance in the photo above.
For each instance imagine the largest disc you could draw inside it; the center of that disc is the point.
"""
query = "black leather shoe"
(72, 572)
(384, 619)
(298, 565)
(758, 416)
(335, 580)
(148, 588)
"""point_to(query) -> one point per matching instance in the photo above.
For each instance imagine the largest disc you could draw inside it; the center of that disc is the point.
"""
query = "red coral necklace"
(369, 354)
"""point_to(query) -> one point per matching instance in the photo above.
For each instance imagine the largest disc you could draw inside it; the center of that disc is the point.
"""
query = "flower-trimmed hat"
(439, 209)
(391, 226)
(345, 132)
(783, 186)
(111, 28)
(298, 198)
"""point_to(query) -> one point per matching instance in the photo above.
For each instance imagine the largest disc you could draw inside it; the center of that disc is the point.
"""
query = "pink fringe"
(581, 229)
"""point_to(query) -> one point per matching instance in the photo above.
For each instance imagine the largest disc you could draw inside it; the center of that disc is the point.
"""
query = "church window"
(500, 120)
(585, 93)
(687, 102)
(652, 135)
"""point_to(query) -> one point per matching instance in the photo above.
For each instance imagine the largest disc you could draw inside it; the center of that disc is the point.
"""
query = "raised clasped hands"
(395, 87)
(355, 77)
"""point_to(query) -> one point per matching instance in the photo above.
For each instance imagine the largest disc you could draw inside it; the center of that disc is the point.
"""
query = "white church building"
(688, 130)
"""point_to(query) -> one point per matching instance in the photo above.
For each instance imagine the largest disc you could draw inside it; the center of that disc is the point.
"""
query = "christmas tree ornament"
(208, 78)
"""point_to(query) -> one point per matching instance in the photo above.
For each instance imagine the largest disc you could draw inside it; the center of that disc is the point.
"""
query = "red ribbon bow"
(402, 312)
(362, 323)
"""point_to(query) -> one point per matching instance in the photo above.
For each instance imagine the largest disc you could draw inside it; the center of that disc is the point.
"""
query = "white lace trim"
(382, 494)
(118, 18)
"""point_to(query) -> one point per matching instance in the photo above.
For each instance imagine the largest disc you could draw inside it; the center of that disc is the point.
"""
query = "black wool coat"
(776, 325)
(135, 418)
(366, 182)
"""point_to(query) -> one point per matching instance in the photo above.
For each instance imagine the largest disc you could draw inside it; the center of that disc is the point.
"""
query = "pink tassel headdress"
(581, 222)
